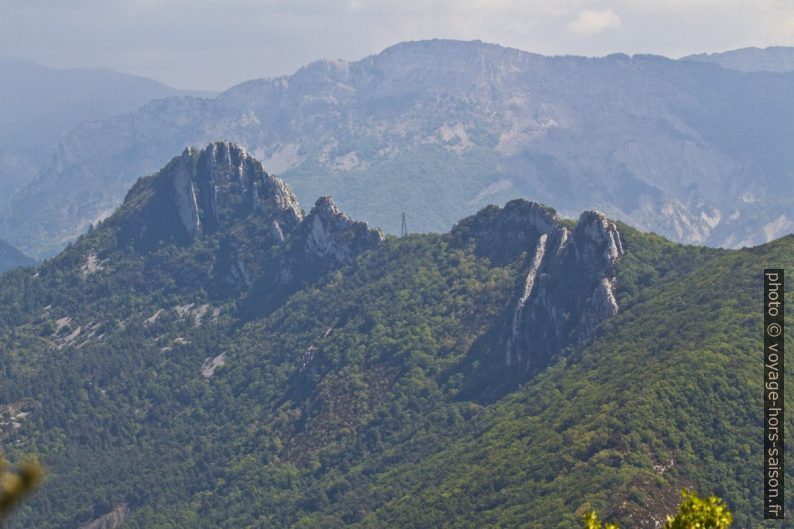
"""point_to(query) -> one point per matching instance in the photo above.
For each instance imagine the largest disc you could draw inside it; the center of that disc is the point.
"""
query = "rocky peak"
(205, 191)
(331, 233)
(567, 281)
(256, 237)
(598, 238)
(502, 234)
(232, 184)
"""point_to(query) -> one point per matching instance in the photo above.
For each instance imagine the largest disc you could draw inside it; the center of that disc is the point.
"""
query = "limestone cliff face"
(232, 183)
(567, 282)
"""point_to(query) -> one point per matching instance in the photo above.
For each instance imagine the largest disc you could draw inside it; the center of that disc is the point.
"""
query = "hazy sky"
(213, 44)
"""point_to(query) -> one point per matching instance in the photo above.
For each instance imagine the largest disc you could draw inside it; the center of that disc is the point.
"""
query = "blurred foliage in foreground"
(16, 485)
(693, 513)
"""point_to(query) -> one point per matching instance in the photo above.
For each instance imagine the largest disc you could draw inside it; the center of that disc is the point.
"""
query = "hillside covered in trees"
(213, 356)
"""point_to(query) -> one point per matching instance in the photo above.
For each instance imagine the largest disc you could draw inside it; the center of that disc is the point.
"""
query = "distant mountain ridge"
(779, 59)
(38, 104)
(10, 257)
(438, 129)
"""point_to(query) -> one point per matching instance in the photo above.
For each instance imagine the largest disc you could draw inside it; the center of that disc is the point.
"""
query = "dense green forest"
(373, 392)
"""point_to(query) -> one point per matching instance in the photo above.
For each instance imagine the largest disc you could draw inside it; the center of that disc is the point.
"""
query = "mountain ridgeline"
(779, 59)
(266, 247)
(213, 356)
(10, 257)
(261, 237)
(439, 129)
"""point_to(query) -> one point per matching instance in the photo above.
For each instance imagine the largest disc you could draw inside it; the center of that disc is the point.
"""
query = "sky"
(214, 44)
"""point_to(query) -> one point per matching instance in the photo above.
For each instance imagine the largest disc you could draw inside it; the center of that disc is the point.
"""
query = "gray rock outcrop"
(330, 233)
(567, 284)
(206, 191)
(250, 220)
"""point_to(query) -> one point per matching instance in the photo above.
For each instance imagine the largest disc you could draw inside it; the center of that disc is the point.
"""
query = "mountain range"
(10, 257)
(773, 59)
(38, 104)
(438, 129)
(213, 356)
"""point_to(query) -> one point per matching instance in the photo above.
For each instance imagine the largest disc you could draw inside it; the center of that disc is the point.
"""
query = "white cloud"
(591, 21)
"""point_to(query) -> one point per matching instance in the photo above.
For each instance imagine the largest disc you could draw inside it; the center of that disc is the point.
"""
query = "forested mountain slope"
(213, 356)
